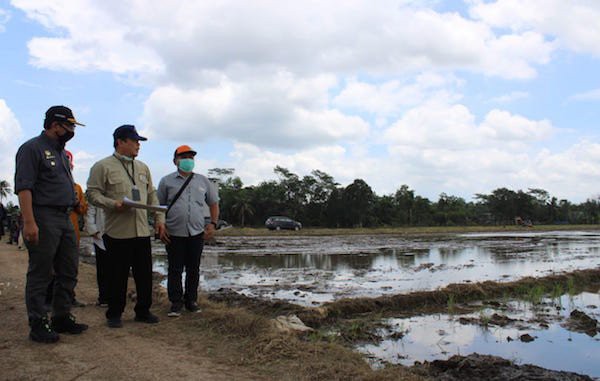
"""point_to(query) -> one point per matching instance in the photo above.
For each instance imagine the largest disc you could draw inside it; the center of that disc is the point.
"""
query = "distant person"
(127, 234)
(15, 229)
(44, 185)
(19, 231)
(2, 219)
(14, 220)
(94, 225)
(186, 193)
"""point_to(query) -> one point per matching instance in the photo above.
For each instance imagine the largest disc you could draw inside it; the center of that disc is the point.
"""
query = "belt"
(62, 209)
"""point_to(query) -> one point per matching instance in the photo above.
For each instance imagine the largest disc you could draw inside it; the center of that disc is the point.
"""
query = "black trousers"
(102, 271)
(123, 255)
(184, 252)
(55, 253)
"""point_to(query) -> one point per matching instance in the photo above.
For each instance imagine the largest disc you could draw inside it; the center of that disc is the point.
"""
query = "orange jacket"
(80, 210)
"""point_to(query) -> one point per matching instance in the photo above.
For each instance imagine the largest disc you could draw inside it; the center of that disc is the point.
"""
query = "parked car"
(221, 224)
(281, 222)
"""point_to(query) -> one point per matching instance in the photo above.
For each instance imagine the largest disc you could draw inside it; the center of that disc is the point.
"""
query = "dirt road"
(137, 351)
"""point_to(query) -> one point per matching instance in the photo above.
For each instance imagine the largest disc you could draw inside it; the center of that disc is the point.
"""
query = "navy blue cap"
(127, 131)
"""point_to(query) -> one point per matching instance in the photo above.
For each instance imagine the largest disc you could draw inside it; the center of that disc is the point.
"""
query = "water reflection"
(442, 336)
(325, 268)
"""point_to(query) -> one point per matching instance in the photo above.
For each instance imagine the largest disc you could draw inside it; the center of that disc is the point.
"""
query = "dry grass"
(240, 337)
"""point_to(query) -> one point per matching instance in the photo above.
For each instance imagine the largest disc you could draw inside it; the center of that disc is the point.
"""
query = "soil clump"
(477, 367)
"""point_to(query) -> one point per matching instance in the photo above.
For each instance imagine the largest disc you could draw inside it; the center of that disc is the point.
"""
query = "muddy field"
(427, 300)
(311, 270)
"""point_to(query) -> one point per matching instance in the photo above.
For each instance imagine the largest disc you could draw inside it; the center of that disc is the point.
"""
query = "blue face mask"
(186, 165)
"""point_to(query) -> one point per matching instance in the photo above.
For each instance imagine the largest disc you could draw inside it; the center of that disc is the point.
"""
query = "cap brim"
(184, 152)
(74, 121)
(141, 138)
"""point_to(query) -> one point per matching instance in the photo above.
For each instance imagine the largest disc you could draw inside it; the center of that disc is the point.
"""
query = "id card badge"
(135, 194)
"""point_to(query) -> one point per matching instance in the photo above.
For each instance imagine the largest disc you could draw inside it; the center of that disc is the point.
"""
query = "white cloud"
(453, 127)
(574, 23)
(510, 97)
(503, 126)
(290, 83)
(10, 134)
(154, 37)
(4, 18)
(431, 171)
(281, 112)
(91, 36)
(389, 98)
(82, 162)
(592, 95)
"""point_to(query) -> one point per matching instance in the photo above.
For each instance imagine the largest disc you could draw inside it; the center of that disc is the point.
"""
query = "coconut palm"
(242, 207)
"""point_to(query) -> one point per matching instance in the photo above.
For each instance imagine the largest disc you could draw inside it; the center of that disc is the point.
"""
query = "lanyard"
(127, 171)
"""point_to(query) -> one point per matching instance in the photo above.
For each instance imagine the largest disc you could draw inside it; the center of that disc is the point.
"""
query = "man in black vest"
(44, 184)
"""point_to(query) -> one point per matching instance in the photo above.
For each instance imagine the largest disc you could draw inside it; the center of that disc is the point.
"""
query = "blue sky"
(454, 97)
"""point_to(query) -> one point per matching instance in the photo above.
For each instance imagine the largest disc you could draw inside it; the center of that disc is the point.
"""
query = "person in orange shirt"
(81, 206)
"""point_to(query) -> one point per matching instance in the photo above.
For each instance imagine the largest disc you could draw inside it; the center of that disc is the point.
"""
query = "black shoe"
(67, 324)
(42, 332)
(114, 323)
(192, 307)
(175, 311)
(148, 318)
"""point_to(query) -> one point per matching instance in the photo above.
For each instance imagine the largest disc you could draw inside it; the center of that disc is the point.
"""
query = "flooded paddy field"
(554, 333)
(309, 270)
(527, 297)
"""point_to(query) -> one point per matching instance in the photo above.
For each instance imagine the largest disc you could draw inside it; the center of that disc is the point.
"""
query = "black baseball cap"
(127, 131)
(61, 114)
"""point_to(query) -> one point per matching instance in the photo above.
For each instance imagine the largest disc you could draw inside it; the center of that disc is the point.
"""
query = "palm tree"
(242, 207)
(4, 189)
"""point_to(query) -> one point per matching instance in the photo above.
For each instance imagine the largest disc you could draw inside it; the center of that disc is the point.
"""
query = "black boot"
(42, 332)
(67, 324)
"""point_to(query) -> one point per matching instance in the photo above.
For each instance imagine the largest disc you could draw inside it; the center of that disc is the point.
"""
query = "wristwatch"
(214, 223)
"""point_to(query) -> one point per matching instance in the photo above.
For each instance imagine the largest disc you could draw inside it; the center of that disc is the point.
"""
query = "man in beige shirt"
(127, 234)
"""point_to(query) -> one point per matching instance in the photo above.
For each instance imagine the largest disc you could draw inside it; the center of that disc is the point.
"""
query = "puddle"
(312, 270)
(438, 337)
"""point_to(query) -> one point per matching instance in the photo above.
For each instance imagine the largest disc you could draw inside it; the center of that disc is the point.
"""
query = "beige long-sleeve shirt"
(111, 179)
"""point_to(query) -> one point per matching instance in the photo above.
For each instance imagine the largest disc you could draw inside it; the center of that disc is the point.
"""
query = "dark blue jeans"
(184, 252)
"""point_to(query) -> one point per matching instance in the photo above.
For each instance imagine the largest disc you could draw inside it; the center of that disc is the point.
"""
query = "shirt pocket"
(50, 165)
(117, 187)
(143, 179)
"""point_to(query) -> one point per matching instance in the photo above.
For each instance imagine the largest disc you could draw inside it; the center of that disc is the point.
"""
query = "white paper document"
(139, 205)
(99, 242)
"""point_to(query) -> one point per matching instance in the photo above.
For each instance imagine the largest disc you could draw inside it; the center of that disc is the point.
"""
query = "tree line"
(318, 200)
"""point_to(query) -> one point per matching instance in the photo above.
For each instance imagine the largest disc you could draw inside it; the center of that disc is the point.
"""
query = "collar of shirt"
(178, 174)
(52, 142)
(123, 158)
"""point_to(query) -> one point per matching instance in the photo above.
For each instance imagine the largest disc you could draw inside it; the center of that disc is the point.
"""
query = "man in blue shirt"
(187, 194)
